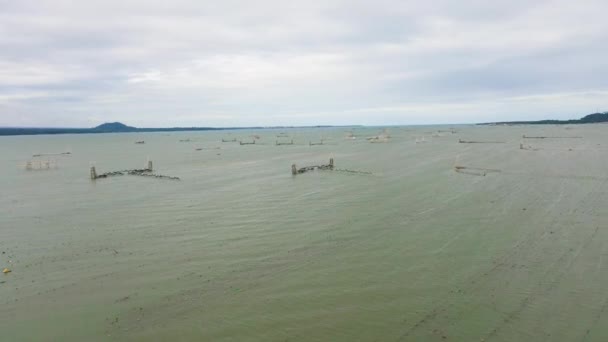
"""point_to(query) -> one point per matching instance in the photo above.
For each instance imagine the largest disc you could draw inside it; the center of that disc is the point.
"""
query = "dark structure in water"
(147, 172)
(295, 170)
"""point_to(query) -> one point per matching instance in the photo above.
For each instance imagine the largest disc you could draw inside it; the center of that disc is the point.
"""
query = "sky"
(233, 63)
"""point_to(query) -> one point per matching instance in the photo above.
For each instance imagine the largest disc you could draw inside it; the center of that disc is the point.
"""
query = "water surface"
(241, 250)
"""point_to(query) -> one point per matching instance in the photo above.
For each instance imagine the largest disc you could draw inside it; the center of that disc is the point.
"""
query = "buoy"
(6, 270)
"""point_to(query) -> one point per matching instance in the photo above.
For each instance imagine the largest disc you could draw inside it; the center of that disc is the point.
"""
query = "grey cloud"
(277, 62)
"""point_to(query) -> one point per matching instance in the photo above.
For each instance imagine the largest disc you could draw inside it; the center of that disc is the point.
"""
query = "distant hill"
(108, 127)
(114, 127)
(596, 117)
(588, 119)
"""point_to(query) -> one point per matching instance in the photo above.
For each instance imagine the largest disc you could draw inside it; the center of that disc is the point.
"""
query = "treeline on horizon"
(588, 119)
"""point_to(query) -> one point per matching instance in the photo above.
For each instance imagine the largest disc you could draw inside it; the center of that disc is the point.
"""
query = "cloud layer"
(243, 63)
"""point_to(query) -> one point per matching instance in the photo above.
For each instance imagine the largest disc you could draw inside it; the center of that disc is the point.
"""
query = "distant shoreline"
(117, 127)
(588, 119)
(13, 131)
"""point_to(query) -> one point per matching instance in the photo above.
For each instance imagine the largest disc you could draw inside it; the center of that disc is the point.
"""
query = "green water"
(241, 250)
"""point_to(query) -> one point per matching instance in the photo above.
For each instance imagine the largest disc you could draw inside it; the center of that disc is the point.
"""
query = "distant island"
(117, 127)
(588, 119)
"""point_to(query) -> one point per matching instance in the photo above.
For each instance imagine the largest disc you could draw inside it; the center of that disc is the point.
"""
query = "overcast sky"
(244, 63)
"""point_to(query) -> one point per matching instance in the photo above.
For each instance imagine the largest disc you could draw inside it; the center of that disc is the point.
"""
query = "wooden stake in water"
(331, 163)
(93, 173)
(294, 169)
(150, 165)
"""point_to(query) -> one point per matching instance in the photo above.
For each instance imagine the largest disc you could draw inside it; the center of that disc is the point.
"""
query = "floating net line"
(475, 171)
(548, 137)
(354, 171)
(460, 141)
(52, 154)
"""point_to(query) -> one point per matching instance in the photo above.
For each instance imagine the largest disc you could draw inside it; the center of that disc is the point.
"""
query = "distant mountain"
(114, 127)
(588, 119)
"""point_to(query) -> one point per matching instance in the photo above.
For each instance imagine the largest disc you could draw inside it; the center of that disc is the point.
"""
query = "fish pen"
(279, 143)
(383, 137)
(296, 171)
(247, 143)
(378, 139)
(37, 165)
(147, 172)
(420, 140)
(527, 147)
(228, 140)
(310, 143)
(326, 167)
